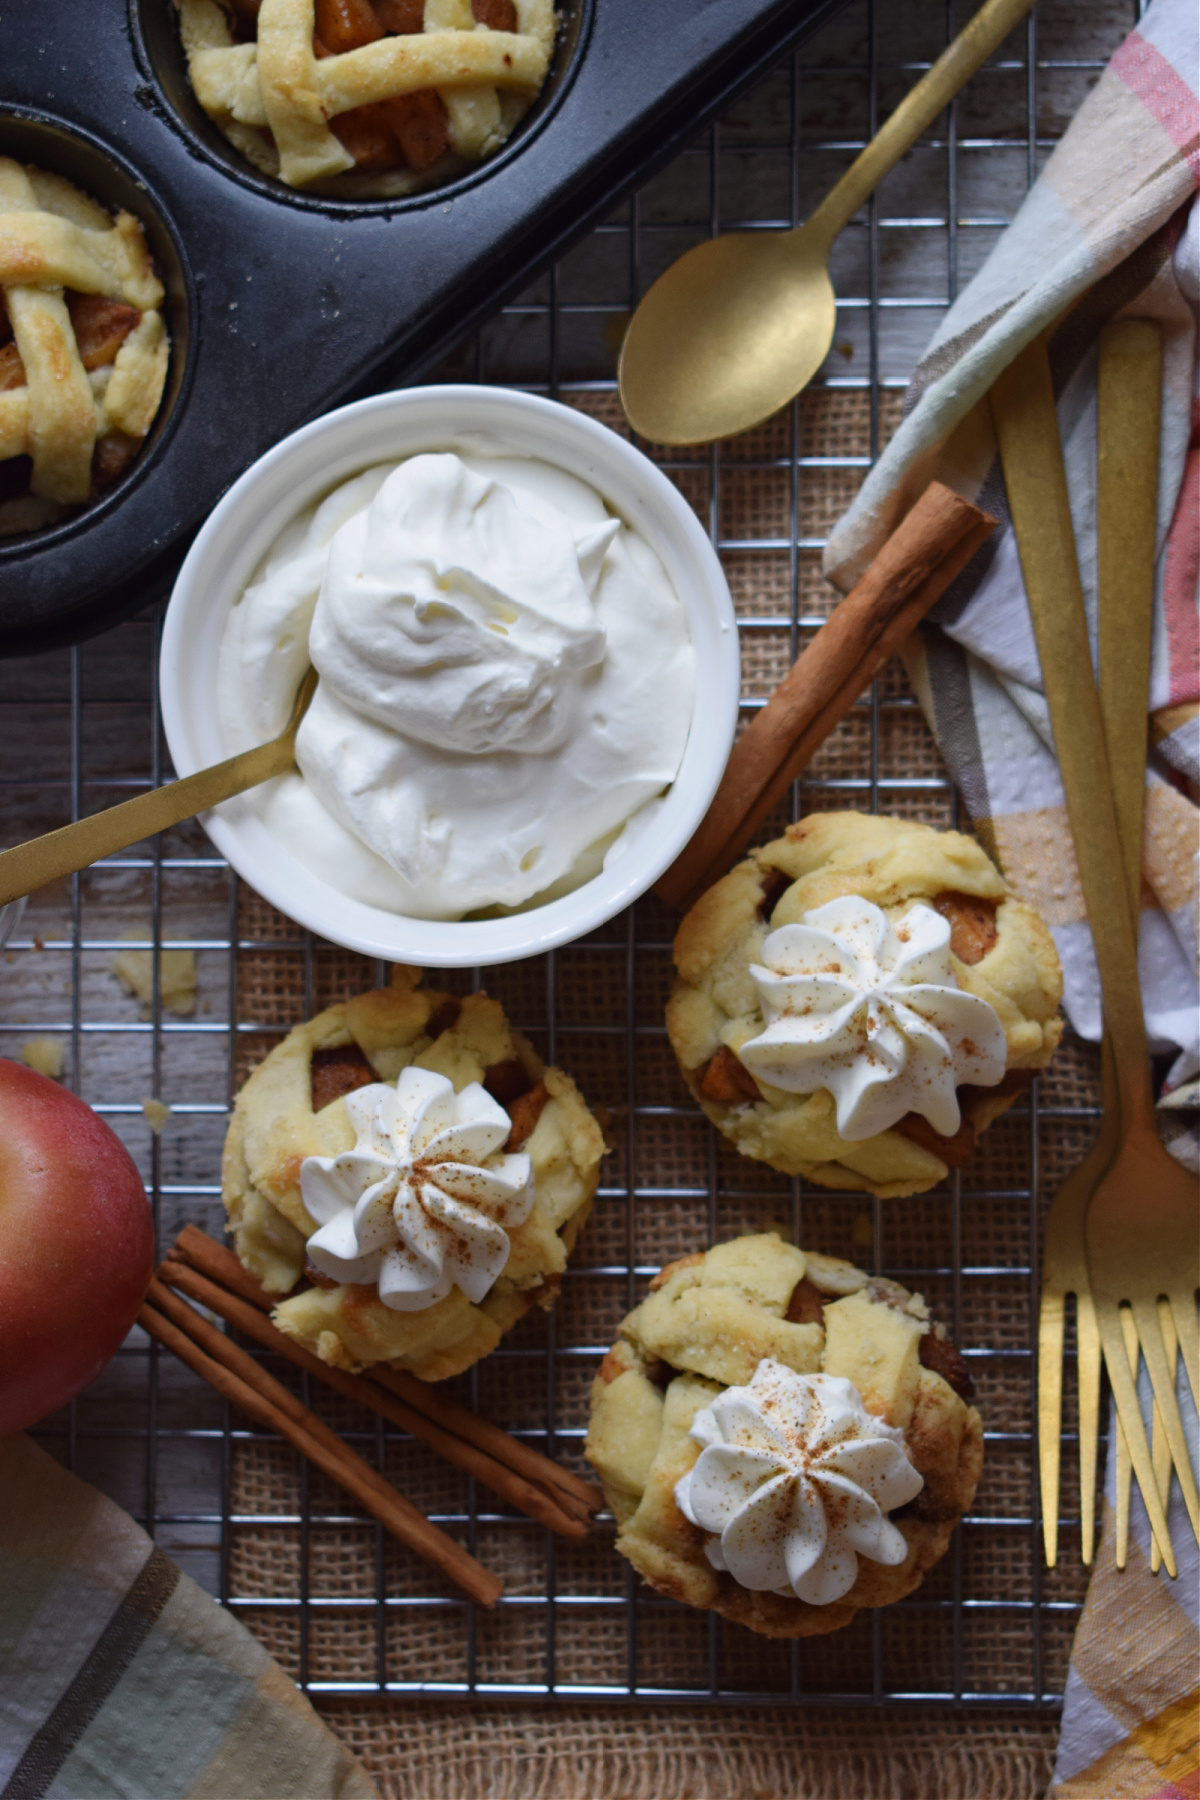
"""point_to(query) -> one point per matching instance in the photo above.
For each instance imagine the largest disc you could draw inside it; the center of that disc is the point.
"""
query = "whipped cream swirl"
(796, 1478)
(871, 1011)
(422, 1202)
(506, 679)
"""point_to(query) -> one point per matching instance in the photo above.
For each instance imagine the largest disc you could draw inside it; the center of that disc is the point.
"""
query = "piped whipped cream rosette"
(795, 1480)
(870, 1009)
(424, 1201)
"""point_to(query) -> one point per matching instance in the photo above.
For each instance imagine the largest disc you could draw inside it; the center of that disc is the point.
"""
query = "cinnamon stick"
(571, 1489)
(579, 1497)
(935, 540)
(212, 1259)
(239, 1379)
(531, 1500)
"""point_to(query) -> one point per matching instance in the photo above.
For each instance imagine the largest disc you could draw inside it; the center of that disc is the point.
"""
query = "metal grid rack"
(81, 728)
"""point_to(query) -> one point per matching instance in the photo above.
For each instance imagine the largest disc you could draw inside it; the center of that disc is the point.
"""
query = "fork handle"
(1027, 429)
(1129, 420)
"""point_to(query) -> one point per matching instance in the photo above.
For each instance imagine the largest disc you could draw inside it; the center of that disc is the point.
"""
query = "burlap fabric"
(690, 1186)
(660, 1753)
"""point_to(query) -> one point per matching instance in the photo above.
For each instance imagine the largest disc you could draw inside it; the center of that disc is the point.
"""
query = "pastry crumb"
(157, 1113)
(44, 1055)
(134, 969)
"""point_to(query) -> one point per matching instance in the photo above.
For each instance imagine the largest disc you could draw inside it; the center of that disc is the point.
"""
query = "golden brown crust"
(370, 101)
(82, 378)
(1000, 951)
(275, 1125)
(725, 1309)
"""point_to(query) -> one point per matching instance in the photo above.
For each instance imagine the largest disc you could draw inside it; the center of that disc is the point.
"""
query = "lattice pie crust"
(1000, 951)
(83, 348)
(275, 1126)
(367, 114)
(706, 1324)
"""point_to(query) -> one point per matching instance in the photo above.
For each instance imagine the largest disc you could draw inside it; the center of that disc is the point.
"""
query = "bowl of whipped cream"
(527, 663)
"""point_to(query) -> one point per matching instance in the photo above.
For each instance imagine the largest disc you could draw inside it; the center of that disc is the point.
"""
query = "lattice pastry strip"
(60, 397)
(275, 98)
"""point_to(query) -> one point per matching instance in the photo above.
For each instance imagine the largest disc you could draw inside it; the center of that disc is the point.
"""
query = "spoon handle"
(72, 847)
(918, 109)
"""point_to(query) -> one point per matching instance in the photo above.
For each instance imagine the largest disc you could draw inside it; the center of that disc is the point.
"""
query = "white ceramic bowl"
(309, 463)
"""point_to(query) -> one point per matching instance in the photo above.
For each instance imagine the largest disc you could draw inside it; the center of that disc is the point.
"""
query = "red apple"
(76, 1245)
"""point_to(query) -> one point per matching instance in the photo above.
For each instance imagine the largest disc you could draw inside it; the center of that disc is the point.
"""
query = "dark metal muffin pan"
(282, 305)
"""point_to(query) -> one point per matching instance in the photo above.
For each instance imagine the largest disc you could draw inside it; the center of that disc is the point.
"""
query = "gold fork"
(1027, 429)
(1129, 394)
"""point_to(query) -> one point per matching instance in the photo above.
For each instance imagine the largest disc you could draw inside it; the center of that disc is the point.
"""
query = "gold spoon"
(44, 859)
(734, 329)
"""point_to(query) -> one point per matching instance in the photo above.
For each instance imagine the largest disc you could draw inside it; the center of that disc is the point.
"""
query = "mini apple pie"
(83, 347)
(782, 1438)
(408, 1159)
(858, 1000)
(366, 98)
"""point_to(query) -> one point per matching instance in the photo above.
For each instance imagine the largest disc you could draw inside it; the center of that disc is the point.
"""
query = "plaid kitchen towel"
(120, 1677)
(1108, 229)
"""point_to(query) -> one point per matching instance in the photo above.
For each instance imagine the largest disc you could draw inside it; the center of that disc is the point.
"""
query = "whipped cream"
(796, 1478)
(506, 680)
(422, 1202)
(872, 1011)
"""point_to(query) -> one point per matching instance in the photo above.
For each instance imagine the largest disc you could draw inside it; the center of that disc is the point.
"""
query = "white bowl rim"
(662, 515)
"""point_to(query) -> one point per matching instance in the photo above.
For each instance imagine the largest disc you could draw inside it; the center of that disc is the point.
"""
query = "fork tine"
(1160, 1450)
(1124, 1483)
(1051, 1323)
(1124, 1393)
(1145, 1314)
(1124, 1466)
(1187, 1328)
(1087, 1362)
(1049, 1397)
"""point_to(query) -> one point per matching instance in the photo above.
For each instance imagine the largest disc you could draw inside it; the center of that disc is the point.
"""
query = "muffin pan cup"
(283, 304)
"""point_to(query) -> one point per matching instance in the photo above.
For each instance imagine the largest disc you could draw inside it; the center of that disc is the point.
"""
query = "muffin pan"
(283, 304)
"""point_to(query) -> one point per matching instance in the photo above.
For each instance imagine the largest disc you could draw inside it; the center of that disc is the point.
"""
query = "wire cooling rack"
(339, 1605)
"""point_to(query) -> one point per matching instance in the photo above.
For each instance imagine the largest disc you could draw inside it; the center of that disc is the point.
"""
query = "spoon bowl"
(753, 312)
(739, 325)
